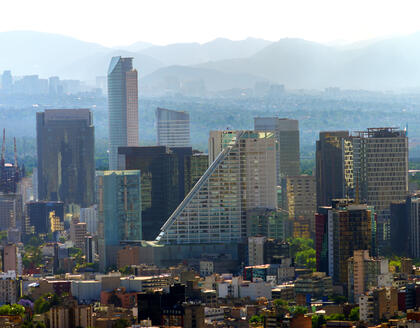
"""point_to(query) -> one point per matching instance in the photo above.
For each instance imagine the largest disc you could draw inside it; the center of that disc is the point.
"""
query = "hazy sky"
(121, 22)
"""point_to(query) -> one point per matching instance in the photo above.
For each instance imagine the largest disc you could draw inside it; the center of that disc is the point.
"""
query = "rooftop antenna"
(3, 147)
(15, 150)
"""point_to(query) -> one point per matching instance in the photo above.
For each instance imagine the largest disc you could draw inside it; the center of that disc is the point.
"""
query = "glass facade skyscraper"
(119, 211)
(66, 162)
(122, 107)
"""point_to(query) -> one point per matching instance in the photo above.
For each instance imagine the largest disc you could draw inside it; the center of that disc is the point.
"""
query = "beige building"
(242, 177)
(127, 256)
(380, 159)
(70, 316)
(78, 232)
(299, 200)
(256, 250)
(8, 291)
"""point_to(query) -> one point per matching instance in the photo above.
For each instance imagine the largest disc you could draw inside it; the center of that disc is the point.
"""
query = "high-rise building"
(173, 128)
(330, 167)
(266, 222)
(66, 162)
(160, 189)
(167, 176)
(381, 167)
(39, 215)
(287, 134)
(122, 107)
(242, 177)
(11, 212)
(299, 200)
(119, 212)
(341, 229)
(78, 233)
(89, 215)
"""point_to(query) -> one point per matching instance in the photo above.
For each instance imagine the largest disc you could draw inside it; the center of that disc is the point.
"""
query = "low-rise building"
(316, 284)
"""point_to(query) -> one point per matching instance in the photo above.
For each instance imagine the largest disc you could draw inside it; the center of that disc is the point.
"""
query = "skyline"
(324, 22)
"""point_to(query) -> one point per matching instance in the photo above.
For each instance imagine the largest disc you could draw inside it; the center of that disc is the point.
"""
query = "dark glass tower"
(66, 163)
(39, 214)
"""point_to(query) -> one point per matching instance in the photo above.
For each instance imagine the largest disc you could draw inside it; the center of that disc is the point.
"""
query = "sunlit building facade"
(122, 107)
(173, 128)
(242, 177)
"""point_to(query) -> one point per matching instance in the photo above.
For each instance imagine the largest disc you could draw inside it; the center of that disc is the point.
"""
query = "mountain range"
(222, 64)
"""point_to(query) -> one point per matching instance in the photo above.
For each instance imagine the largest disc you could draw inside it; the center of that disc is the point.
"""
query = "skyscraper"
(39, 214)
(287, 134)
(119, 212)
(66, 162)
(122, 107)
(330, 165)
(173, 128)
(242, 177)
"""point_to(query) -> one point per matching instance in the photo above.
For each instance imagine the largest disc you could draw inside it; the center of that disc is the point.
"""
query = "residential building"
(66, 156)
(287, 135)
(316, 284)
(173, 128)
(256, 250)
(9, 258)
(119, 212)
(11, 212)
(8, 291)
(241, 178)
(78, 233)
(378, 305)
(122, 107)
(365, 272)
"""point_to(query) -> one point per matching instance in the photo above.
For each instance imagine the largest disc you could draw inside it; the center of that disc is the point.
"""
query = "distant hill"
(195, 53)
(382, 64)
(191, 79)
(385, 64)
(26, 52)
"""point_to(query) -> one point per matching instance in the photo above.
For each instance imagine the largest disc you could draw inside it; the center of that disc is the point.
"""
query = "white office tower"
(173, 128)
(89, 216)
(242, 177)
(122, 107)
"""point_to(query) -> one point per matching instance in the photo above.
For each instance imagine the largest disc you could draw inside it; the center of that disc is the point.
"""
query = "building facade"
(122, 107)
(119, 212)
(66, 162)
(173, 128)
(242, 177)
(287, 135)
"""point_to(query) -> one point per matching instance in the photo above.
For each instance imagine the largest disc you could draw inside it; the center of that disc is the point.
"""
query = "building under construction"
(10, 174)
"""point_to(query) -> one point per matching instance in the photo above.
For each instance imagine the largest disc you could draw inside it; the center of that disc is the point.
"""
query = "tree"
(294, 310)
(41, 305)
(256, 319)
(121, 323)
(336, 316)
(354, 314)
(127, 270)
(306, 258)
(318, 321)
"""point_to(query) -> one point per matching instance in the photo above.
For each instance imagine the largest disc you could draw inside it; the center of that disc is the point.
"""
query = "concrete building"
(11, 212)
(89, 216)
(86, 291)
(287, 135)
(365, 272)
(378, 305)
(66, 163)
(122, 107)
(173, 128)
(128, 256)
(8, 290)
(316, 284)
(119, 212)
(241, 178)
(266, 222)
(78, 233)
(256, 250)
(299, 200)
(9, 258)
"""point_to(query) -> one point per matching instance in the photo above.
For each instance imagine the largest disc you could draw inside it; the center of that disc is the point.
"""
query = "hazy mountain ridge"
(390, 63)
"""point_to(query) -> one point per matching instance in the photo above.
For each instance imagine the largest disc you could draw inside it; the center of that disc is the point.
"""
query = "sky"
(123, 22)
